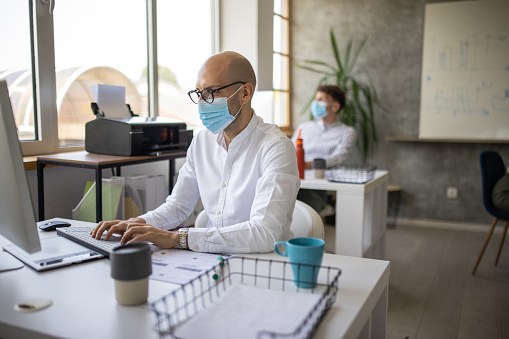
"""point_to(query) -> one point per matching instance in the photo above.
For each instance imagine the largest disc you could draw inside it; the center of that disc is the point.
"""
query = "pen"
(218, 270)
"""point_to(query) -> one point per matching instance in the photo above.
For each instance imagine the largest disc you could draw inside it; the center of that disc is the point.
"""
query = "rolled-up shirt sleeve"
(345, 143)
(181, 202)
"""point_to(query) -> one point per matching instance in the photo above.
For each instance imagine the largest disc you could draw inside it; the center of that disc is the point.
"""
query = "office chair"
(305, 222)
(492, 169)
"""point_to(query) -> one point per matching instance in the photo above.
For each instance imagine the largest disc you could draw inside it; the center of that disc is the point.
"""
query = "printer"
(136, 136)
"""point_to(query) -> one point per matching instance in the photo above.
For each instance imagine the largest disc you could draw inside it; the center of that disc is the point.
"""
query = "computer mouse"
(52, 225)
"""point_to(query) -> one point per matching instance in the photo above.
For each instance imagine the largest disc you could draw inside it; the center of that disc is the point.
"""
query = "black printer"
(136, 136)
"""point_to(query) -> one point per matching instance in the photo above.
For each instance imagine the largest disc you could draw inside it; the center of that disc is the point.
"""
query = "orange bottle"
(301, 164)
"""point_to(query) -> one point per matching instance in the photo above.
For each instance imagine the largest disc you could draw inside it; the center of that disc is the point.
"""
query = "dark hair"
(335, 92)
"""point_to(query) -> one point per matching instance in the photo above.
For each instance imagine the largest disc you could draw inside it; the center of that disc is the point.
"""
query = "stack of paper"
(248, 311)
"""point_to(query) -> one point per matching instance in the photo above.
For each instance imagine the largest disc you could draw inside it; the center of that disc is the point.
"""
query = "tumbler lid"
(131, 261)
(319, 163)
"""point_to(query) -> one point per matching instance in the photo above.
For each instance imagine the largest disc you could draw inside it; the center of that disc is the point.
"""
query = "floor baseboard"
(447, 225)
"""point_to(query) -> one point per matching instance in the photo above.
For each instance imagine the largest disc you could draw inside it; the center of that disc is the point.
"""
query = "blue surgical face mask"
(319, 109)
(216, 116)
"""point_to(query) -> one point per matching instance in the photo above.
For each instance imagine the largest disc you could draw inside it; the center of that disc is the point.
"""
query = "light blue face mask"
(319, 109)
(216, 116)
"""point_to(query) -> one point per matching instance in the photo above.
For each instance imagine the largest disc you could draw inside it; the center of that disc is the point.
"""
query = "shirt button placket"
(222, 191)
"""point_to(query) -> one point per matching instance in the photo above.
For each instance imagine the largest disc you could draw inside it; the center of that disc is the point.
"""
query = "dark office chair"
(492, 169)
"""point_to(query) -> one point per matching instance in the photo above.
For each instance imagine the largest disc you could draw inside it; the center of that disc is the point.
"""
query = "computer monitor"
(17, 216)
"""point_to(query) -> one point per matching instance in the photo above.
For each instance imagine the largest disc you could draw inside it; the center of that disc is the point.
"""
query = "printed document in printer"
(111, 100)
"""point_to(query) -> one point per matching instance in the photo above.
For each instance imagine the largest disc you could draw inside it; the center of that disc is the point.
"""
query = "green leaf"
(357, 52)
(345, 115)
(347, 53)
(335, 51)
(320, 63)
(355, 89)
(371, 119)
(375, 95)
(364, 126)
(315, 70)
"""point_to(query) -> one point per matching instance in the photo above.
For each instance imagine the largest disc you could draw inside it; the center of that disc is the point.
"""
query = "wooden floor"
(432, 293)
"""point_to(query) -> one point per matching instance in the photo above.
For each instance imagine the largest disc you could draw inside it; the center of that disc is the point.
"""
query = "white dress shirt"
(332, 142)
(248, 191)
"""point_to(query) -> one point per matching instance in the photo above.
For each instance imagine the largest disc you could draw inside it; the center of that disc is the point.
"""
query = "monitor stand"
(8, 262)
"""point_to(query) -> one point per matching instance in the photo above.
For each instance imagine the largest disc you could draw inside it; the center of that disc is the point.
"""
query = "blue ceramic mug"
(305, 255)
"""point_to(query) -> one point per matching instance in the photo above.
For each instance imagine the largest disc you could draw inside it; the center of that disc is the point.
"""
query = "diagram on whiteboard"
(465, 71)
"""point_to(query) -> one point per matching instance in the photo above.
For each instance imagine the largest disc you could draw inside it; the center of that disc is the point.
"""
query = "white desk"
(361, 211)
(84, 303)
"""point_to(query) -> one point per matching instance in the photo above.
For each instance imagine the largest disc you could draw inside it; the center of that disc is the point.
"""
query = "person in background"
(325, 137)
(244, 170)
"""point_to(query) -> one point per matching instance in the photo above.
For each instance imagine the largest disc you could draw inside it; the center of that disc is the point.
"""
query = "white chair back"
(201, 220)
(306, 222)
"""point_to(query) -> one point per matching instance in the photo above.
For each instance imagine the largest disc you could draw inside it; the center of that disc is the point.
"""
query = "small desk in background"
(98, 162)
(361, 211)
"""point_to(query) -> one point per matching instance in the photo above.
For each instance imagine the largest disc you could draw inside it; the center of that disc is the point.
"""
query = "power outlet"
(452, 192)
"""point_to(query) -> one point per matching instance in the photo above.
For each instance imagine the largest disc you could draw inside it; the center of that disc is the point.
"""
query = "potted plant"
(361, 97)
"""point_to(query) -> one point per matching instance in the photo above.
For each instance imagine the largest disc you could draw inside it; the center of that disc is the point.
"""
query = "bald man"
(244, 170)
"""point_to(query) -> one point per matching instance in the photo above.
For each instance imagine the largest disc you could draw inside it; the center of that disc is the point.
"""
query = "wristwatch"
(183, 238)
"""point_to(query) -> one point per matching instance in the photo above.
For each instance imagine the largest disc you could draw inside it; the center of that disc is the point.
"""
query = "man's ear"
(247, 93)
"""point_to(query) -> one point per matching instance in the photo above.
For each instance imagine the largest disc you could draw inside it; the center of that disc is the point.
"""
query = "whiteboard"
(465, 71)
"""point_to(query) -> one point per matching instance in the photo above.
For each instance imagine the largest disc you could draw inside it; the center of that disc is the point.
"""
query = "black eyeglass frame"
(210, 92)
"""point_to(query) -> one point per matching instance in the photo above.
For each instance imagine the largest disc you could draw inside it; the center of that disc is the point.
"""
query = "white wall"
(246, 28)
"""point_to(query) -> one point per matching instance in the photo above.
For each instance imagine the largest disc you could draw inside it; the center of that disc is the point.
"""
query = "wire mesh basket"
(351, 174)
(176, 310)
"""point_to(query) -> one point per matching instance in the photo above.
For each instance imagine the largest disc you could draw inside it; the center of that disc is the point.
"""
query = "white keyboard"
(81, 235)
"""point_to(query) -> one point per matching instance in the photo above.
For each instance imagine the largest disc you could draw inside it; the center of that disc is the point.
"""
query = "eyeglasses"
(207, 95)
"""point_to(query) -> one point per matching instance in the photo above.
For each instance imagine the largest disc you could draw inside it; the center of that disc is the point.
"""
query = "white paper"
(111, 100)
(179, 267)
(244, 310)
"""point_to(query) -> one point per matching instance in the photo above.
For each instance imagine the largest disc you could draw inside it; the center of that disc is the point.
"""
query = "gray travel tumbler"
(319, 168)
(131, 265)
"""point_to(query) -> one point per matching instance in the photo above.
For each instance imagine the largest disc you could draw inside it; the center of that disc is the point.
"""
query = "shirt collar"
(242, 135)
(322, 126)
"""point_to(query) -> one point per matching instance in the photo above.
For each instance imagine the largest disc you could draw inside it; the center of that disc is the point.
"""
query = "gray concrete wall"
(392, 56)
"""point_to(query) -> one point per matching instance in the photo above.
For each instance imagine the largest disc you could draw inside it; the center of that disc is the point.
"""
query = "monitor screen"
(17, 216)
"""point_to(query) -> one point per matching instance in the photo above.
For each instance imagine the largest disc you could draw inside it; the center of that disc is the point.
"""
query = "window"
(272, 101)
(181, 55)
(96, 43)
(281, 64)
(15, 65)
